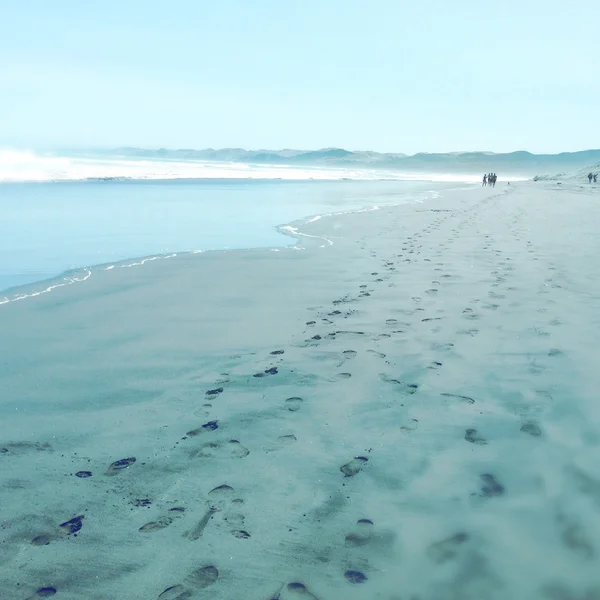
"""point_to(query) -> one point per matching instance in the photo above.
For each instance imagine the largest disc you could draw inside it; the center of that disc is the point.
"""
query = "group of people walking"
(490, 179)
(593, 176)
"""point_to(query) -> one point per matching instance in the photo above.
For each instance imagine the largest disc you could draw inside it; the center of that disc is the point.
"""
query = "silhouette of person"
(485, 177)
(590, 177)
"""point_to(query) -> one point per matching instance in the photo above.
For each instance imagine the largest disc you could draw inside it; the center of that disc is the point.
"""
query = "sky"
(383, 75)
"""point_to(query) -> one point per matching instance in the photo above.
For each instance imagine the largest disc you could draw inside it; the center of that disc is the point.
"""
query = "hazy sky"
(387, 75)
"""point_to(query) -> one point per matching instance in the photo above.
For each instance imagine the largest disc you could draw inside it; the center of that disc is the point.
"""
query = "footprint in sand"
(347, 355)
(491, 486)
(153, 526)
(70, 527)
(406, 388)
(267, 372)
(343, 375)
(211, 394)
(222, 499)
(471, 332)
(163, 522)
(235, 519)
(293, 404)
(120, 465)
(44, 592)
(466, 399)
(197, 580)
(222, 449)
(197, 531)
(141, 502)
(381, 336)
(355, 576)
(354, 466)
(361, 535)
(377, 354)
(221, 493)
(469, 313)
(283, 441)
(531, 428)
(295, 590)
(218, 499)
(411, 425)
(472, 436)
(210, 426)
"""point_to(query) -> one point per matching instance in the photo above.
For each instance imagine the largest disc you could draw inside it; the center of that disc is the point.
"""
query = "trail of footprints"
(224, 503)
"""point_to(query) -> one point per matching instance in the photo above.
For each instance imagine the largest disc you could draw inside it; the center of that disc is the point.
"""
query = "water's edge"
(80, 274)
(300, 240)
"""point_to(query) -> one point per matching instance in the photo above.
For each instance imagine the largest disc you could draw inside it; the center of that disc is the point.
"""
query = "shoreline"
(79, 274)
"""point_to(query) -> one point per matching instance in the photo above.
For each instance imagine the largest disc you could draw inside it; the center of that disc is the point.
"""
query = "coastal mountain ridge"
(519, 162)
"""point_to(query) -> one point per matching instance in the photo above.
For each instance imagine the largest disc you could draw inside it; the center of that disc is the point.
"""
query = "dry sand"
(411, 413)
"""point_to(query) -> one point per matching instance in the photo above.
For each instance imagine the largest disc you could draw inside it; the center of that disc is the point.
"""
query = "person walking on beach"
(484, 181)
(595, 177)
(590, 177)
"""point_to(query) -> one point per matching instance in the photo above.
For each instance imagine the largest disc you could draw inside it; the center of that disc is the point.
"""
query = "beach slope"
(403, 406)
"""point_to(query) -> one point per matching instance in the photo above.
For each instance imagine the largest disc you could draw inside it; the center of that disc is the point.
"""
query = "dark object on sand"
(472, 436)
(210, 426)
(354, 466)
(83, 474)
(119, 465)
(214, 392)
(531, 428)
(73, 525)
(41, 540)
(355, 576)
(491, 487)
(44, 592)
(141, 502)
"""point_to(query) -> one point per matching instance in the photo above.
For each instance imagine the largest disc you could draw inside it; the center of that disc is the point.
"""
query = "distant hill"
(519, 163)
(579, 175)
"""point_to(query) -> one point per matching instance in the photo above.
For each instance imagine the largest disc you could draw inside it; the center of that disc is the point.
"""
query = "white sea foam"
(65, 281)
(19, 165)
(294, 231)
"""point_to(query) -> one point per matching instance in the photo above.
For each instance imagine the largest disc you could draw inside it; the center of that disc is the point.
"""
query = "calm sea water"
(48, 228)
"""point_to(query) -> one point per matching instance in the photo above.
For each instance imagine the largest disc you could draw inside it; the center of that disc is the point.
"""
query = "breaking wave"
(24, 165)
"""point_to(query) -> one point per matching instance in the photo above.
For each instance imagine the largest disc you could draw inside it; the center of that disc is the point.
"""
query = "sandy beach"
(403, 408)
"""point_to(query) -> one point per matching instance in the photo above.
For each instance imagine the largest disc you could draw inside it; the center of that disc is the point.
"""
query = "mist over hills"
(520, 163)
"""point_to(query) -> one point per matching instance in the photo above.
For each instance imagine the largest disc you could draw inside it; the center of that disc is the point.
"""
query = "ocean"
(50, 227)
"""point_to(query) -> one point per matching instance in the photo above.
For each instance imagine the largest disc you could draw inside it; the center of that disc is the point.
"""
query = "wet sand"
(410, 412)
